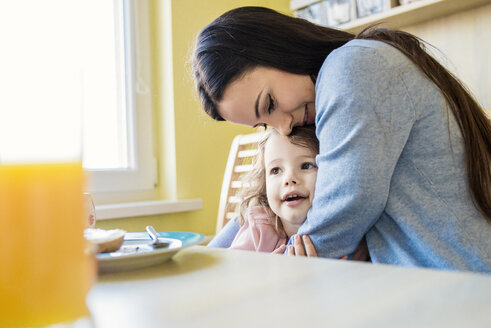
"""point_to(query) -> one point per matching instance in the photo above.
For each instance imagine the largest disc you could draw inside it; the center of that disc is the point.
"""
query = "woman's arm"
(364, 117)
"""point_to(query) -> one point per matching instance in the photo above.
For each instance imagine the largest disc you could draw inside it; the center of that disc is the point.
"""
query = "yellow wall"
(192, 148)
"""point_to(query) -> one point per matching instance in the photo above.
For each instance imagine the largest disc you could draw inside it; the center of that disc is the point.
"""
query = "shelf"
(297, 4)
(413, 13)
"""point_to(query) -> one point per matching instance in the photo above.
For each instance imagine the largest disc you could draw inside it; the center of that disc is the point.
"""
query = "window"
(107, 125)
(63, 57)
(117, 119)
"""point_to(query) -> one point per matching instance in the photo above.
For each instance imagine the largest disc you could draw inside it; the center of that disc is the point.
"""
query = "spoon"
(156, 242)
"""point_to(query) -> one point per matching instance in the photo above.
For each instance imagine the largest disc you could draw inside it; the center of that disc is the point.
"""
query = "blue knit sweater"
(391, 166)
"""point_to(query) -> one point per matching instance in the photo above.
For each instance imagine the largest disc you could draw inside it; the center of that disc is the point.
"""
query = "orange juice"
(45, 268)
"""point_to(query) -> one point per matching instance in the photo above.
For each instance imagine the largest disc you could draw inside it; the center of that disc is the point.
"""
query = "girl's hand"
(280, 250)
(302, 246)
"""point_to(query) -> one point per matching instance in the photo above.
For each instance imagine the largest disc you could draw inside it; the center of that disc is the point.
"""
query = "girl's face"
(267, 96)
(290, 179)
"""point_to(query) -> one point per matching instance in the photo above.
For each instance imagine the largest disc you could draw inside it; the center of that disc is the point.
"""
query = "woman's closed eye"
(308, 166)
(271, 105)
(269, 110)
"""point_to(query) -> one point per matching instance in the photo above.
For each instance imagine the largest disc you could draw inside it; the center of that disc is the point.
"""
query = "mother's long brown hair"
(248, 37)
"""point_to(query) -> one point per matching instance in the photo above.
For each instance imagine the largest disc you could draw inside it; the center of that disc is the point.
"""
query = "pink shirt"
(258, 233)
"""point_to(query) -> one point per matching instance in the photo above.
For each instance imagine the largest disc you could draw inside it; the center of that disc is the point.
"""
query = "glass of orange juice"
(46, 268)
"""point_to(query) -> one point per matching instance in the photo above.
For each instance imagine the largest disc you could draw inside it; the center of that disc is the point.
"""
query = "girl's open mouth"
(294, 200)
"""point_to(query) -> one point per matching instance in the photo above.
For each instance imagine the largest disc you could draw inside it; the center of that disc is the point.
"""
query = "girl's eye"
(271, 104)
(307, 166)
(275, 171)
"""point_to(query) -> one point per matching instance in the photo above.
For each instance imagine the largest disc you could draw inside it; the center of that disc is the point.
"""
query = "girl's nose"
(289, 180)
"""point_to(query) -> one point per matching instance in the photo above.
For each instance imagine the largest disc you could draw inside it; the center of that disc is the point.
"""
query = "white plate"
(136, 253)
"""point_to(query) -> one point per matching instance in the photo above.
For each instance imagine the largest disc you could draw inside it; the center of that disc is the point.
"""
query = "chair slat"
(252, 138)
(243, 168)
(242, 152)
(234, 199)
(247, 153)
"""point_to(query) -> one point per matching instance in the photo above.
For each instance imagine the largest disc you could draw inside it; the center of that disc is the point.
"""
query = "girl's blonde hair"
(253, 192)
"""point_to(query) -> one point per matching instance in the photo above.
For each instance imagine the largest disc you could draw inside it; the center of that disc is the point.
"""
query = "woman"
(405, 150)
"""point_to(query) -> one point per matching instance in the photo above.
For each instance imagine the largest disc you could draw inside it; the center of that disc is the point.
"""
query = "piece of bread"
(105, 240)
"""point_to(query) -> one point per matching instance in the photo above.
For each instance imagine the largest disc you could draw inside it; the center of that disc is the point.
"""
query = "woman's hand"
(302, 246)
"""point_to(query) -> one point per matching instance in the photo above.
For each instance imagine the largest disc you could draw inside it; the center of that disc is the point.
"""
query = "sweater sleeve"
(225, 237)
(363, 119)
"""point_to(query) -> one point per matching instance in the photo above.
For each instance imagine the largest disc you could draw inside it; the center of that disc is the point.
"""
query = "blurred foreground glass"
(46, 266)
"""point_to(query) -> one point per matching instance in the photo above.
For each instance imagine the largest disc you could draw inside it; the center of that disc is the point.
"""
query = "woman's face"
(267, 96)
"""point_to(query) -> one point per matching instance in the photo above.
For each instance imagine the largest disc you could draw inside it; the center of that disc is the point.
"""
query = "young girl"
(279, 193)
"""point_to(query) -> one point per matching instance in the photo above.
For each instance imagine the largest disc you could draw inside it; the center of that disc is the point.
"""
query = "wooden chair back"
(240, 160)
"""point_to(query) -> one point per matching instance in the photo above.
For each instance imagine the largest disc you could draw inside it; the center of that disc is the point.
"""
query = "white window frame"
(139, 182)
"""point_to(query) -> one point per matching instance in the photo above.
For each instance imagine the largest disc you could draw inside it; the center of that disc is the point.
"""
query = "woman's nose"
(282, 124)
(284, 130)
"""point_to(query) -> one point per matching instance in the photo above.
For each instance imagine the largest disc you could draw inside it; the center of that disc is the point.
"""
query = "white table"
(203, 287)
